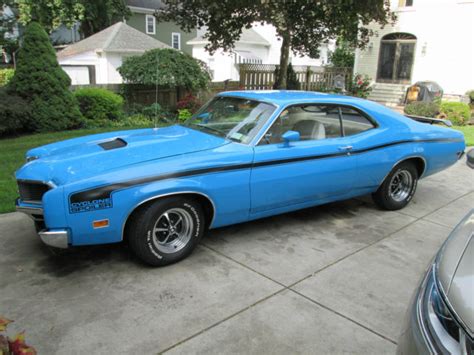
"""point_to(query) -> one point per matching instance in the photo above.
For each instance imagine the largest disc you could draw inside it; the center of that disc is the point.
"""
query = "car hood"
(456, 271)
(83, 157)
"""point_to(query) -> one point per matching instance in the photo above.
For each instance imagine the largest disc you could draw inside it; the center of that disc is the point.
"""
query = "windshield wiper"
(220, 133)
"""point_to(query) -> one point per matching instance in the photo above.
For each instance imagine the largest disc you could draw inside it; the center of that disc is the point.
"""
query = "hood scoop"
(113, 144)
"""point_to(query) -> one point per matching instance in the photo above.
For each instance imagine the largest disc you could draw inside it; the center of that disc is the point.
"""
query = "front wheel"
(166, 231)
(398, 188)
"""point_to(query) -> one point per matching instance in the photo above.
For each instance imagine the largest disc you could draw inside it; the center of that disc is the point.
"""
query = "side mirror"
(290, 136)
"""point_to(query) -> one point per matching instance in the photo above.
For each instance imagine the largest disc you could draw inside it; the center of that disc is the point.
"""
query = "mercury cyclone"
(244, 155)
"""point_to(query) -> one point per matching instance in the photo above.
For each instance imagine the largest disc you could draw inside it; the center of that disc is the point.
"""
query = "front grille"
(32, 191)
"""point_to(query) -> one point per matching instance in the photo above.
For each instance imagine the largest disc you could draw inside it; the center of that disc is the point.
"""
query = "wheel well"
(204, 201)
(419, 164)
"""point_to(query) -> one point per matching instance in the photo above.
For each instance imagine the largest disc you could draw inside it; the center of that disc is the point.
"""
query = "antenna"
(156, 93)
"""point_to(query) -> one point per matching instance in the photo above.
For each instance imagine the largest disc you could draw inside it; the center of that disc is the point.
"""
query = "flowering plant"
(189, 102)
(15, 345)
(361, 86)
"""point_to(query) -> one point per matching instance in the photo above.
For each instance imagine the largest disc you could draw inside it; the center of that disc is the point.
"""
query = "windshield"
(233, 118)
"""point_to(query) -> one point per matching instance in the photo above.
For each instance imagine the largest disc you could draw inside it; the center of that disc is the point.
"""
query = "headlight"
(441, 330)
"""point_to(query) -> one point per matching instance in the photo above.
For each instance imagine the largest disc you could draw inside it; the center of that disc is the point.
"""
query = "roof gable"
(117, 38)
(249, 36)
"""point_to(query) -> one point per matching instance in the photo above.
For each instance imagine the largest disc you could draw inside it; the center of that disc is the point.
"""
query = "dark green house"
(169, 33)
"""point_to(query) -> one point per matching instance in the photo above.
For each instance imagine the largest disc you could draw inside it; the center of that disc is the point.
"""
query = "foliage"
(99, 104)
(470, 94)
(137, 120)
(167, 67)
(457, 112)
(15, 345)
(190, 102)
(43, 84)
(14, 113)
(6, 75)
(343, 56)
(421, 108)
(184, 114)
(93, 15)
(292, 82)
(8, 42)
(102, 14)
(154, 111)
(303, 26)
(360, 86)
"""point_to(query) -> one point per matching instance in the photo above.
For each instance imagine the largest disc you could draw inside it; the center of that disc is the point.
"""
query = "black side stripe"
(105, 192)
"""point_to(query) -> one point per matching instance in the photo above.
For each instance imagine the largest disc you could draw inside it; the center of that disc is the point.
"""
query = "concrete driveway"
(331, 279)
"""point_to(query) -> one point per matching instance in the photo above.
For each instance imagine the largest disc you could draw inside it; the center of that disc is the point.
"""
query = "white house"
(95, 59)
(259, 45)
(431, 40)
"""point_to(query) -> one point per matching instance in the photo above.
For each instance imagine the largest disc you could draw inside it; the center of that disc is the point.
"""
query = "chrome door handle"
(347, 147)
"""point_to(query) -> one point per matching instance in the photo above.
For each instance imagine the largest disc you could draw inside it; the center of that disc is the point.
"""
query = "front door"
(317, 167)
(397, 53)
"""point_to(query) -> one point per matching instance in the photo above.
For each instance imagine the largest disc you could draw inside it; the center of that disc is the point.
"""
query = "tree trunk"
(284, 59)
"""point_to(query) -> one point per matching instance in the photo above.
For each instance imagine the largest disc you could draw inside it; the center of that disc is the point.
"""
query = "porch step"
(388, 94)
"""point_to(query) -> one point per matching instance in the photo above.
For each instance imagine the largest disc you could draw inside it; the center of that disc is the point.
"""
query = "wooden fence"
(312, 78)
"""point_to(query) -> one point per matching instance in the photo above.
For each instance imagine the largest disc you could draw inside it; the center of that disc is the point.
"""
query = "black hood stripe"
(105, 192)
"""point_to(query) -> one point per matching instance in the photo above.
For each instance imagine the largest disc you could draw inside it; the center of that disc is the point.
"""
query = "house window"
(405, 3)
(176, 40)
(150, 24)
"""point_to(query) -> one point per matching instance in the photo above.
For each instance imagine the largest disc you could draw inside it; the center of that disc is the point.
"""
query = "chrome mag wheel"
(173, 230)
(401, 185)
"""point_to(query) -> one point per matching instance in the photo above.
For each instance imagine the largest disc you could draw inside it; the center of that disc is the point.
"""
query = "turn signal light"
(100, 223)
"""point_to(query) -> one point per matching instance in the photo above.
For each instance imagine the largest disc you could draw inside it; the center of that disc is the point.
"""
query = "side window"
(354, 122)
(313, 122)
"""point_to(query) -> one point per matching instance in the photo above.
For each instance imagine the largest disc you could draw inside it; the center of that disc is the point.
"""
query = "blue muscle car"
(244, 155)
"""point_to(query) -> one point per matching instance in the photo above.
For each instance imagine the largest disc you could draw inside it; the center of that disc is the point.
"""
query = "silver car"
(441, 317)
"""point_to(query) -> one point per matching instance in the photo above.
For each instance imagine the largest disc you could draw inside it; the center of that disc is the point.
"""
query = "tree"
(94, 15)
(292, 82)
(102, 14)
(302, 25)
(8, 42)
(342, 56)
(43, 84)
(167, 67)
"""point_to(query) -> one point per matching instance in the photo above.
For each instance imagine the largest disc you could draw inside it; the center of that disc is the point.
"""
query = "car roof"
(285, 97)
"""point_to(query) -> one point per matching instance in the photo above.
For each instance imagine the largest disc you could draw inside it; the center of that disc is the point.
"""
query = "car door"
(317, 167)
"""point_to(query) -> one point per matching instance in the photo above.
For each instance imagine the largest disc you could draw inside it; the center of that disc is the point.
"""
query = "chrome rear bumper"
(57, 238)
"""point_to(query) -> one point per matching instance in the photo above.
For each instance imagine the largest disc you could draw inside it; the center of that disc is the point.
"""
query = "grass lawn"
(12, 156)
(468, 134)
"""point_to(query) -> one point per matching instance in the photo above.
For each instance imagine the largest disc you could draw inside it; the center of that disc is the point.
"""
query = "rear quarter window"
(354, 122)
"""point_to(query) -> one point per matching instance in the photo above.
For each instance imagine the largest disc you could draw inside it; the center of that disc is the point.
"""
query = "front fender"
(229, 192)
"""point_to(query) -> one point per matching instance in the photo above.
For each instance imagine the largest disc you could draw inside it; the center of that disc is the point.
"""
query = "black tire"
(387, 198)
(152, 240)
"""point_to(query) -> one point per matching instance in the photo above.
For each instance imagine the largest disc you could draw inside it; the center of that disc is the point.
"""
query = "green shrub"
(137, 120)
(99, 104)
(134, 121)
(6, 75)
(457, 112)
(14, 113)
(41, 82)
(420, 108)
(167, 67)
(292, 82)
(184, 114)
(470, 93)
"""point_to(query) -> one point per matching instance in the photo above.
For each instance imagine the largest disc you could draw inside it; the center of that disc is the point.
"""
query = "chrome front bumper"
(57, 238)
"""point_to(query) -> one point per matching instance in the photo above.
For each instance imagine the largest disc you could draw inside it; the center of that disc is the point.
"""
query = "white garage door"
(79, 75)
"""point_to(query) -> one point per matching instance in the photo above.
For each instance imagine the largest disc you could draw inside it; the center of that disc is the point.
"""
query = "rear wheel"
(398, 188)
(166, 231)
